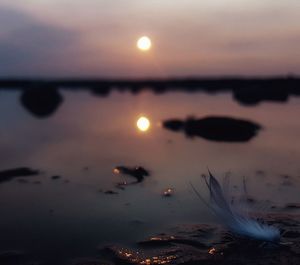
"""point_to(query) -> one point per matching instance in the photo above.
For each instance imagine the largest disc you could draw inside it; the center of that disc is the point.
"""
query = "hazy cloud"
(30, 46)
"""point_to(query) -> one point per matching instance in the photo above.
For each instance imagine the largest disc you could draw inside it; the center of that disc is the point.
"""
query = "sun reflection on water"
(143, 124)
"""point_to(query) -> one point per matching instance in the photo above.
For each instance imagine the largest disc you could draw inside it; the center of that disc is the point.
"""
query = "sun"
(144, 43)
(143, 124)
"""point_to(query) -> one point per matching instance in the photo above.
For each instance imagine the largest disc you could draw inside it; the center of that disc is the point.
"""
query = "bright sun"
(143, 124)
(144, 43)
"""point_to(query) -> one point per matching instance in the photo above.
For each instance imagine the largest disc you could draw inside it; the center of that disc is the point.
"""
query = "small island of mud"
(215, 128)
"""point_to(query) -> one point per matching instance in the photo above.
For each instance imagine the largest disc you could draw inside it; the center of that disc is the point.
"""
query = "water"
(88, 136)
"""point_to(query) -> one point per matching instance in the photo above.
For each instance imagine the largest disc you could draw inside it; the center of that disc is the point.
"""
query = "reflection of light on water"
(116, 171)
(168, 192)
(137, 258)
(212, 251)
(143, 124)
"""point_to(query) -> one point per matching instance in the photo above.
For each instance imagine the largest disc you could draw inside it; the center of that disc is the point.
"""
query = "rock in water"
(215, 128)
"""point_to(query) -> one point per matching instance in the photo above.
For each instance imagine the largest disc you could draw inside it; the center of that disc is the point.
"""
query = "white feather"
(237, 221)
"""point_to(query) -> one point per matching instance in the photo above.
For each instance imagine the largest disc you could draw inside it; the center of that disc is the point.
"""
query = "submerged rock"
(168, 192)
(55, 177)
(111, 192)
(214, 128)
(137, 172)
(9, 174)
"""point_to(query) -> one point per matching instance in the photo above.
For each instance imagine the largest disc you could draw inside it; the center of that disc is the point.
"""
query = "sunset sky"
(96, 38)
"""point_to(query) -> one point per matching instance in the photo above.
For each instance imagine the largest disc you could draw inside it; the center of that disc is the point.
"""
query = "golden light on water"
(116, 171)
(212, 251)
(134, 257)
(144, 43)
(168, 192)
(143, 124)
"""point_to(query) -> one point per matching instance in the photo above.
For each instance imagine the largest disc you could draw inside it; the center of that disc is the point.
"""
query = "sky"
(97, 38)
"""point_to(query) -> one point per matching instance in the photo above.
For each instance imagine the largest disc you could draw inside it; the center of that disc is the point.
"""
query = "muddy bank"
(208, 244)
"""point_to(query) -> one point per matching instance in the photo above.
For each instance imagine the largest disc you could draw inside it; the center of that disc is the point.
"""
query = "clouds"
(97, 37)
(28, 46)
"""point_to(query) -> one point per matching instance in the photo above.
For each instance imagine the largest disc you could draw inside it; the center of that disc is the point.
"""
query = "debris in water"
(137, 172)
(212, 251)
(168, 192)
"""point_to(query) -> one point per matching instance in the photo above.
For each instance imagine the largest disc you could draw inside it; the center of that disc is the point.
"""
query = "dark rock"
(292, 206)
(110, 192)
(9, 174)
(222, 129)
(55, 177)
(137, 172)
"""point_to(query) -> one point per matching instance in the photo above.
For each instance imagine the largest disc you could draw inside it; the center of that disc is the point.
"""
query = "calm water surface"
(58, 220)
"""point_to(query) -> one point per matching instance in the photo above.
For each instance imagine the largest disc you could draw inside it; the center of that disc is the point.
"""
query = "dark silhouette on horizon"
(41, 102)
(41, 97)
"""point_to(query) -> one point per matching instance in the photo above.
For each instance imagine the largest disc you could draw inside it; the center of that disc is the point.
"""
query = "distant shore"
(247, 91)
(217, 83)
